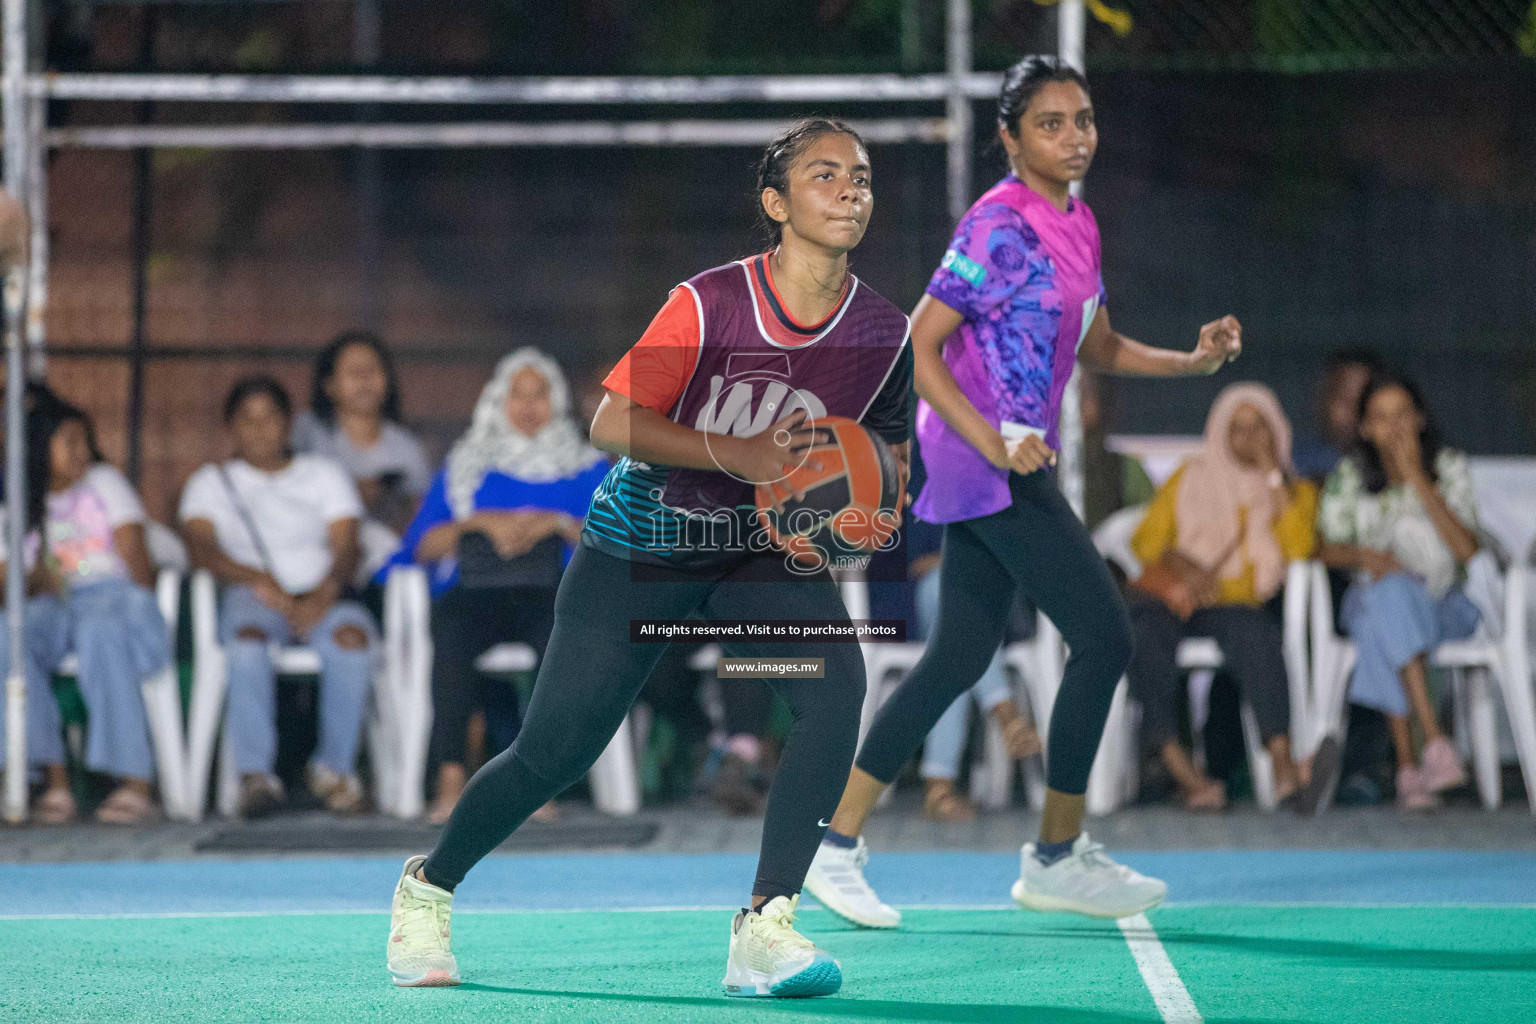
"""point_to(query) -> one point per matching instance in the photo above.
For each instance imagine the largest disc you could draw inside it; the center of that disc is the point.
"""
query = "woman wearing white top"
(280, 532)
(1399, 512)
(91, 581)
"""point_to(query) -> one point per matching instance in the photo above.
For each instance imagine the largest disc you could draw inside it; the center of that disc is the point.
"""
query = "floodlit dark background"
(1334, 172)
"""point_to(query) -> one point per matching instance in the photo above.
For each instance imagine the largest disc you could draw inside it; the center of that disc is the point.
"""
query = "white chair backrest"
(1159, 454)
(379, 544)
(1113, 539)
(166, 549)
(1506, 501)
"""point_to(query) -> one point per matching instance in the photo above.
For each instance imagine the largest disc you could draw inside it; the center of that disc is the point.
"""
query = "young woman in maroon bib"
(718, 395)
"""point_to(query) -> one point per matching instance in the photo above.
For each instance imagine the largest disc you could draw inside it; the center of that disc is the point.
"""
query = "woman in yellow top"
(1214, 546)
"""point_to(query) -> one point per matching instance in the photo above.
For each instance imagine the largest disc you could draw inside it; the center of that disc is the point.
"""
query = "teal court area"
(1250, 936)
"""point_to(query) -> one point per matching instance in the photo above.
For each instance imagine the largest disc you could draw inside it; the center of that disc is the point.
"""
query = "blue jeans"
(1392, 621)
(345, 676)
(946, 740)
(46, 642)
(117, 632)
(118, 636)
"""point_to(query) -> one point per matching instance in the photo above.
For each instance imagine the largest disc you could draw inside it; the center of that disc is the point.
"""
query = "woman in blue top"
(497, 528)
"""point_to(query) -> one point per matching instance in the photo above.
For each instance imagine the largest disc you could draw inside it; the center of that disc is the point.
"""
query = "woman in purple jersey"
(697, 411)
(1016, 301)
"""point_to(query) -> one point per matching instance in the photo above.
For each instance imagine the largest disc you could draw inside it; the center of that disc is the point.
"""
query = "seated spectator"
(1337, 411)
(92, 593)
(1214, 546)
(1399, 513)
(279, 531)
(354, 419)
(499, 523)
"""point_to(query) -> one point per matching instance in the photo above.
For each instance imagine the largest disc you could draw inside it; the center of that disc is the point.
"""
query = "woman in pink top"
(1017, 300)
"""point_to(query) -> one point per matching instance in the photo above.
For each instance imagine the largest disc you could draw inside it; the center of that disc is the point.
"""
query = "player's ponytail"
(1024, 79)
(780, 155)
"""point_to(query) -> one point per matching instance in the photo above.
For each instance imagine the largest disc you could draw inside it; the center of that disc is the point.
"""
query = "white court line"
(1168, 991)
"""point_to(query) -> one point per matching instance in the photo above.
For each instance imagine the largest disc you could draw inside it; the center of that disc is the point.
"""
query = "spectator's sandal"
(943, 804)
(55, 807)
(1208, 799)
(127, 807)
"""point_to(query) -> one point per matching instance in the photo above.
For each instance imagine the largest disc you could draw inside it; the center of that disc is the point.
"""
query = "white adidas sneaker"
(836, 879)
(769, 958)
(420, 953)
(1085, 881)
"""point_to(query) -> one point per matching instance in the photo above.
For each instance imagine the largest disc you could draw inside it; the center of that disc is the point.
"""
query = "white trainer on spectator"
(1085, 881)
(836, 879)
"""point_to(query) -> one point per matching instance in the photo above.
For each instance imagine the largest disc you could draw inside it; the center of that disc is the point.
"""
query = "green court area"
(1238, 963)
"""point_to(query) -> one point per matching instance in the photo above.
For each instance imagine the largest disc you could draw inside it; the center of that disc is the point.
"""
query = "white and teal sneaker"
(836, 878)
(420, 954)
(769, 958)
(1085, 881)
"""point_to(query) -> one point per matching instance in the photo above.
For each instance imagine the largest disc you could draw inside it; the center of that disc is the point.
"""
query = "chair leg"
(992, 771)
(228, 781)
(1260, 766)
(1484, 733)
(615, 781)
(162, 706)
(1107, 778)
(385, 758)
(202, 732)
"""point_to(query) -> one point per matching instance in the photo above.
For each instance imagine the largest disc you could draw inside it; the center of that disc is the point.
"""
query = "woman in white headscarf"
(496, 529)
(1214, 543)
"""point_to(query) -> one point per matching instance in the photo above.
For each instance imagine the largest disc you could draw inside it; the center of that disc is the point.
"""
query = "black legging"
(466, 622)
(591, 674)
(1251, 645)
(1038, 545)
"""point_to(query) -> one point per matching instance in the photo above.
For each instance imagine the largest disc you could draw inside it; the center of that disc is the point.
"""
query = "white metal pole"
(957, 107)
(498, 134)
(554, 90)
(1069, 46)
(37, 250)
(13, 106)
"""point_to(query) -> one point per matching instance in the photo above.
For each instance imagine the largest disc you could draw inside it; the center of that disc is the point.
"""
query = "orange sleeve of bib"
(655, 372)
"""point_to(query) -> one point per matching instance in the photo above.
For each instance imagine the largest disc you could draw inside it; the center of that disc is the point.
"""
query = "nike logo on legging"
(824, 824)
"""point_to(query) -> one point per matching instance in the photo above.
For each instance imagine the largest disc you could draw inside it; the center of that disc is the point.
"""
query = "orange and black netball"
(850, 485)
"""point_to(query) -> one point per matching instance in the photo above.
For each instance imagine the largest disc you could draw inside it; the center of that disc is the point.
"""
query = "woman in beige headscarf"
(1214, 545)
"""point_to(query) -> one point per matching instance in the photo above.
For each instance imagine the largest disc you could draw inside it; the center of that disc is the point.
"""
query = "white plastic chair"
(1478, 667)
(406, 686)
(162, 691)
(1114, 778)
(210, 685)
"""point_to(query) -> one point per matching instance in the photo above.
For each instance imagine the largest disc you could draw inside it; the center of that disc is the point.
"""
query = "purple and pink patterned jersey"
(1026, 278)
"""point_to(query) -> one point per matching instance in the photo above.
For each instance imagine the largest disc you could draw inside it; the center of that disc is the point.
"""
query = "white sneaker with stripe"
(836, 879)
(1086, 881)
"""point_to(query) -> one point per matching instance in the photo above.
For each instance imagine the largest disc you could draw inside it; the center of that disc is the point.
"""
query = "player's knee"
(847, 667)
(1113, 642)
(350, 637)
(253, 633)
